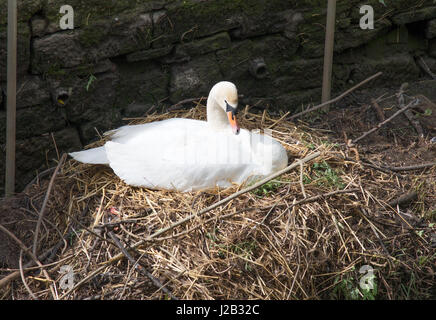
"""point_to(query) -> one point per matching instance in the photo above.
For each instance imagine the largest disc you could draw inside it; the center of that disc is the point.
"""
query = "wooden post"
(328, 51)
(11, 98)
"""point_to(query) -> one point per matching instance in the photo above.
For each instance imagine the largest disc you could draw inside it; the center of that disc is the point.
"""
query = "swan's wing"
(129, 133)
(180, 155)
(155, 155)
(92, 156)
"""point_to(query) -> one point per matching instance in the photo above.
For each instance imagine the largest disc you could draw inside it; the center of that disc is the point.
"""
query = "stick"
(362, 212)
(315, 198)
(425, 67)
(44, 204)
(14, 275)
(38, 177)
(180, 103)
(328, 50)
(84, 280)
(141, 269)
(413, 103)
(31, 255)
(335, 99)
(415, 123)
(301, 180)
(23, 279)
(403, 199)
(380, 114)
(410, 168)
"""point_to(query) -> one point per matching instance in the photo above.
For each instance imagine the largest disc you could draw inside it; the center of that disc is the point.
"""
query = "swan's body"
(188, 155)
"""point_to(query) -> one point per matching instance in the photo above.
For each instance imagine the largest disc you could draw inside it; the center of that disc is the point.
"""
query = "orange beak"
(233, 122)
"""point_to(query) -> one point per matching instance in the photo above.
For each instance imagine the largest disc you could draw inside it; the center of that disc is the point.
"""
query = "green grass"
(244, 249)
(91, 79)
(324, 175)
(347, 287)
(267, 189)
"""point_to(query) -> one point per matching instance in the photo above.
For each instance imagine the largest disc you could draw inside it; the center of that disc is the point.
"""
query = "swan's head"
(225, 95)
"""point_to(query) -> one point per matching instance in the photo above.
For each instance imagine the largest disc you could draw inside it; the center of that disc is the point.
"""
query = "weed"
(324, 176)
(347, 289)
(91, 79)
(267, 189)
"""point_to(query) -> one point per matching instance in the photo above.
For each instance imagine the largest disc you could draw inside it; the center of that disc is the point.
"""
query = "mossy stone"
(396, 68)
(25, 10)
(186, 20)
(205, 45)
(194, 79)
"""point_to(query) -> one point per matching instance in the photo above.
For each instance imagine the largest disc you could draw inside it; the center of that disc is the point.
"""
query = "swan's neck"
(216, 116)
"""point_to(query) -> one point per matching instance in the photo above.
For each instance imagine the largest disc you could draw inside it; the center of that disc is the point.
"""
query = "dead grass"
(270, 243)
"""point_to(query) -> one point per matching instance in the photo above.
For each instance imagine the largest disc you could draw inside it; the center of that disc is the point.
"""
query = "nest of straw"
(303, 235)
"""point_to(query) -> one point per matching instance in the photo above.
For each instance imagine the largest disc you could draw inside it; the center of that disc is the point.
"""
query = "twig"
(277, 121)
(415, 123)
(38, 177)
(425, 67)
(370, 164)
(44, 204)
(362, 212)
(413, 103)
(380, 114)
(28, 266)
(335, 99)
(30, 254)
(335, 222)
(301, 180)
(205, 222)
(84, 280)
(182, 102)
(415, 167)
(141, 269)
(23, 278)
(403, 199)
(315, 198)
(55, 145)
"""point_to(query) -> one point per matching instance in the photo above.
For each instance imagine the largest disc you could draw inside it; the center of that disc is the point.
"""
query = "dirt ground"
(395, 144)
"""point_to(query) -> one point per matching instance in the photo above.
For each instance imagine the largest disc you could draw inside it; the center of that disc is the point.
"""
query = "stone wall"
(125, 56)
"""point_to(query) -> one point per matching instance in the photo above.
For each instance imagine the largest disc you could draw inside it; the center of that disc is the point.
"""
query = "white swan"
(189, 155)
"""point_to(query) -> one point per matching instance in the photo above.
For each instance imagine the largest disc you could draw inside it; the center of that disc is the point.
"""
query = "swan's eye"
(231, 109)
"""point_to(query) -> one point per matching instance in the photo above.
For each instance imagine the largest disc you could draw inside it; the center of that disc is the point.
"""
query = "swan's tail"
(92, 156)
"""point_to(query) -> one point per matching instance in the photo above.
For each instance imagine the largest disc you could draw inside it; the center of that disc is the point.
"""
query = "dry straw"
(302, 235)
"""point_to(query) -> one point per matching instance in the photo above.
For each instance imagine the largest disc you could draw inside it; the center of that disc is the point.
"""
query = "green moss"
(90, 36)
(26, 9)
(193, 19)
(91, 10)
